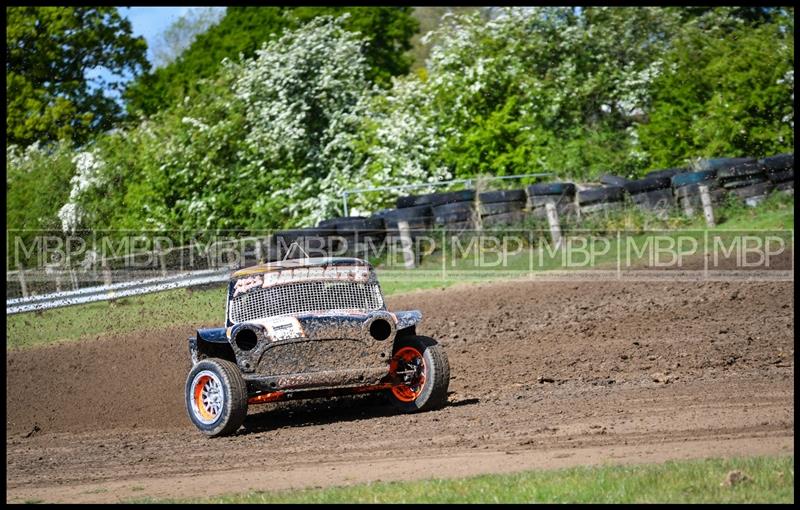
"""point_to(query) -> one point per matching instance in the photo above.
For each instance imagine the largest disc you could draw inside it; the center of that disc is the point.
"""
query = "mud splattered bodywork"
(306, 324)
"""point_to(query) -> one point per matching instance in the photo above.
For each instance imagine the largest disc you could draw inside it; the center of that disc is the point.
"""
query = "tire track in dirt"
(111, 411)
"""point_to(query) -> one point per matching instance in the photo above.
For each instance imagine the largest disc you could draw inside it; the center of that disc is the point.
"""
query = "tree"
(177, 37)
(243, 30)
(728, 91)
(50, 53)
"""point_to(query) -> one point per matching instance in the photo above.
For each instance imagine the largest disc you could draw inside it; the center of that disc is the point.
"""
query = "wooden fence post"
(555, 227)
(22, 283)
(406, 244)
(106, 273)
(708, 210)
(161, 258)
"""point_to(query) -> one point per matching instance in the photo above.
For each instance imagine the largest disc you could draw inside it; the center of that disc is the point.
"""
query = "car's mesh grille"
(314, 296)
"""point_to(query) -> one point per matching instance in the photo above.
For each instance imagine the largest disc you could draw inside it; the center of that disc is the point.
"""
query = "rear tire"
(216, 397)
(428, 389)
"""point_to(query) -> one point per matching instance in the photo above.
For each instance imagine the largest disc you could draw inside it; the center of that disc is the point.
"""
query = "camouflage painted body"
(307, 350)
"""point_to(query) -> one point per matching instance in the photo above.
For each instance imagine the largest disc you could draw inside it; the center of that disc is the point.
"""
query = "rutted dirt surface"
(544, 374)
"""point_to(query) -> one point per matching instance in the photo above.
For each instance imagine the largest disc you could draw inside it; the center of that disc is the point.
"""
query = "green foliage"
(771, 480)
(182, 168)
(272, 140)
(243, 30)
(267, 143)
(543, 89)
(49, 52)
(729, 92)
(37, 185)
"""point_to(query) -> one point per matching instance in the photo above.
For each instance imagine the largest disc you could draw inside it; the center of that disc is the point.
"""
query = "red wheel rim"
(207, 397)
(408, 359)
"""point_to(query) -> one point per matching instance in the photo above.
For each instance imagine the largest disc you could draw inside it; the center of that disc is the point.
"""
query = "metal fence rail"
(115, 291)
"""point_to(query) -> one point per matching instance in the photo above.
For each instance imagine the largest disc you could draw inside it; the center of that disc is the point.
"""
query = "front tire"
(216, 397)
(422, 365)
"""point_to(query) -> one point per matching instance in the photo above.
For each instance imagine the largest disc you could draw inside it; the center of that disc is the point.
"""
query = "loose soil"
(544, 375)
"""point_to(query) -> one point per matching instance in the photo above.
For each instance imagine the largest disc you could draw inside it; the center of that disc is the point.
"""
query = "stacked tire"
(612, 180)
(560, 194)
(745, 178)
(454, 210)
(502, 208)
(665, 172)
(780, 171)
(355, 234)
(601, 200)
(419, 219)
(652, 194)
(686, 188)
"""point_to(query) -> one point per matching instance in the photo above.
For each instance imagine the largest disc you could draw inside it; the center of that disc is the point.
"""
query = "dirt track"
(104, 420)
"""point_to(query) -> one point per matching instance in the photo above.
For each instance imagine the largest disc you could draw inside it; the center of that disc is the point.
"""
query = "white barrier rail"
(115, 291)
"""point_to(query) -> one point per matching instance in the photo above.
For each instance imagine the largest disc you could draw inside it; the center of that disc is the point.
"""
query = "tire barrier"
(355, 233)
(747, 179)
(612, 180)
(561, 194)
(455, 214)
(648, 184)
(493, 197)
(500, 208)
(659, 191)
(604, 199)
(780, 171)
(436, 199)
(608, 194)
(666, 172)
(419, 218)
(685, 179)
(722, 163)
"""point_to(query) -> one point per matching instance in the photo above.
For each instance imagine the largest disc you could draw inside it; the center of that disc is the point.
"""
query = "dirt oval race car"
(309, 328)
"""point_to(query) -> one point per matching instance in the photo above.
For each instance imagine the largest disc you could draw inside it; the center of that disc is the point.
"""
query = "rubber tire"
(500, 208)
(680, 180)
(603, 207)
(655, 199)
(778, 162)
(558, 200)
(436, 199)
(505, 219)
(721, 163)
(433, 396)
(741, 171)
(551, 188)
(666, 172)
(598, 195)
(332, 222)
(755, 190)
(694, 189)
(648, 184)
(353, 223)
(416, 213)
(781, 176)
(613, 180)
(234, 390)
(742, 182)
(509, 195)
(453, 213)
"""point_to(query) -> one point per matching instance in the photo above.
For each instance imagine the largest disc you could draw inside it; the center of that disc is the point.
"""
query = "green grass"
(206, 307)
(698, 481)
